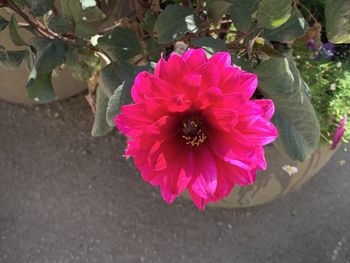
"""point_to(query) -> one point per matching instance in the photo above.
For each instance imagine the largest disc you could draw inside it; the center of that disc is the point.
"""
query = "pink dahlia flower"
(339, 132)
(193, 126)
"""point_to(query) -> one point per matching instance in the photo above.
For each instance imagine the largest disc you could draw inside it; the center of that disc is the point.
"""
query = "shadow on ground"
(67, 197)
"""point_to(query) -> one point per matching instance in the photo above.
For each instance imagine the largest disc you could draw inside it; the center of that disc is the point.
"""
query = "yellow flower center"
(192, 131)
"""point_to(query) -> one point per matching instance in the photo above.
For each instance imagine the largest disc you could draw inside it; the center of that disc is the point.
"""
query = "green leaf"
(174, 22)
(3, 23)
(153, 48)
(217, 8)
(338, 21)
(295, 27)
(82, 62)
(100, 126)
(209, 44)
(50, 54)
(29, 60)
(12, 59)
(242, 62)
(295, 117)
(92, 14)
(15, 58)
(116, 81)
(13, 29)
(241, 13)
(39, 87)
(59, 24)
(113, 75)
(120, 97)
(74, 12)
(149, 67)
(22, 3)
(83, 30)
(273, 13)
(148, 22)
(73, 57)
(271, 52)
(87, 3)
(3, 54)
(71, 10)
(40, 7)
(81, 11)
(121, 44)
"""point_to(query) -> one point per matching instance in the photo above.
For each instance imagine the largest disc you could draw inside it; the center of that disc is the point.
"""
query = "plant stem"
(187, 3)
(38, 27)
(199, 5)
(36, 24)
(221, 30)
(225, 29)
(297, 2)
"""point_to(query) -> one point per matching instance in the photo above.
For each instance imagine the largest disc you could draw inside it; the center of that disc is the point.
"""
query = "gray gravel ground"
(67, 197)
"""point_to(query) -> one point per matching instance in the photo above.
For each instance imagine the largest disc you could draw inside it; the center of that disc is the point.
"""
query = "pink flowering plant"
(193, 125)
(197, 87)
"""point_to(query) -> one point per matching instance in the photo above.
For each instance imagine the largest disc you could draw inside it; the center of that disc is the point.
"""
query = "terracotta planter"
(12, 85)
(275, 182)
(13, 81)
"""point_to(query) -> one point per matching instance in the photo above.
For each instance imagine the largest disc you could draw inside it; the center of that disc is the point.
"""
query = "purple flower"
(339, 132)
(311, 44)
(327, 50)
(328, 46)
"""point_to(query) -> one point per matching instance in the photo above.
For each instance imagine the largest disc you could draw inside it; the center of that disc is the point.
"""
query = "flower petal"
(221, 118)
(141, 87)
(207, 100)
(260, 132)
(225, 184)
(267, 106)
(205, 181)
(221, 59)
(191, 85)
(242, 177)
(195, 57)
(172, 70)
(200, 202)
(210, 74)
(132, 119)
(237, 80)
(177, 177)
(179, 103)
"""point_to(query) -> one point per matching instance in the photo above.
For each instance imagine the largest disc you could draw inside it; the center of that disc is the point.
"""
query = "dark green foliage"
(40, 7)
(257, 33)
(295, 27)
(121, 44)
(295, 118)
(59, 24)
(329, 82)
(211, 45)
(272, 14)
(14, 34)
(241, 13)
(3, 23)
(338, 21)
(11, 59)
(50, 54)
(186, 22)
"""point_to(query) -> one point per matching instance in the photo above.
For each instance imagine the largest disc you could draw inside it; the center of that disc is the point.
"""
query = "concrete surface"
(67, 197)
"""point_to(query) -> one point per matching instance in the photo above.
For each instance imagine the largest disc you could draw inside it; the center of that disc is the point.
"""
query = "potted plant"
(115, 50)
